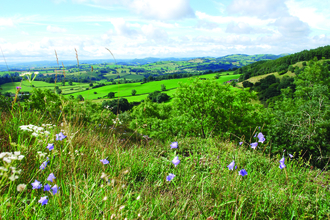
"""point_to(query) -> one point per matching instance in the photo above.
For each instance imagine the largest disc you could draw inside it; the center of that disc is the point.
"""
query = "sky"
(33, 30)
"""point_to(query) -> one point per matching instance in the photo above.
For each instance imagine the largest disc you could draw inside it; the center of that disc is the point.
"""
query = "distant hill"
(281, 64)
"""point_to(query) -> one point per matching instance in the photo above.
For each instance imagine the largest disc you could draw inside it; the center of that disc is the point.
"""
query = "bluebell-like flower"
(176, 161)
(43, 200)
(36, 185)
(55, 189)
(50, 147)
(255, 135)
(174, 145)
(51, 177)
(290, 155)
(242, 172)
(44, 164)
(47, 187)
(231, 165)
(254, 145)
(60, 136)
(104, 161)
(170, 177)
(282, 165)
(261, 137)
(240, 143)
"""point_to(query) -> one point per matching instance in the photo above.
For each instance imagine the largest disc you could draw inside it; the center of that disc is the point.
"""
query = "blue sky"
(32, 30)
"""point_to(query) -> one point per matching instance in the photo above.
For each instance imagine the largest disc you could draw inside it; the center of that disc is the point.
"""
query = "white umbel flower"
(21, 187)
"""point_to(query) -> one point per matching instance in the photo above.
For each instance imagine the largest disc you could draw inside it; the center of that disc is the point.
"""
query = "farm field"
(143, 89)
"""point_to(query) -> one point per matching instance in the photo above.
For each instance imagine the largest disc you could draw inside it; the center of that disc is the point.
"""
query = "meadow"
(213, 157)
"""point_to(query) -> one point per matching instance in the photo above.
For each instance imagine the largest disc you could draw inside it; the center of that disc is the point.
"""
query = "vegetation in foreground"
(94, 172)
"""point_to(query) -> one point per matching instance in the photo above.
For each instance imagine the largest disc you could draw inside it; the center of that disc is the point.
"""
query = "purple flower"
(50, 147)
(254, 145)
(240, 143)
(231, 165)
(47, 187)
(290, 155)
(104, 161)
(176, 161)
(51, 177)
(174, 145)
(170, 177)
(242, 172)
(235, 167)
(261, 137)
(36, 185)
(259, 128)
(282, 165)
(44, 164)
(255, 135)
(60, 136)
(18, 87)
(43, 200)
(54, 189)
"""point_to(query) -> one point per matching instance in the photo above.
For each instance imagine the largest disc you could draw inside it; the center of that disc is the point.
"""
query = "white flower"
(47, 132)
(13, 177)
(138, 197)
(17, 171)
(17, 153)
(3, 169)
(21, 187)
(105, 198)
(121, 207)
(34, 134)
(20, 157)
(7, 160)
(13, 157)
(3, 154)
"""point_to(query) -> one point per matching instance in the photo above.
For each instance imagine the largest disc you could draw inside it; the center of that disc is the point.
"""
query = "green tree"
(80, 98)
(111, 95)
(70, 82)
(133, 92)
(117, 106)
(163, 87)
(144, 80)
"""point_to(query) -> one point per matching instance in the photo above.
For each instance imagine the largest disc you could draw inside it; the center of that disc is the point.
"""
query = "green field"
(143, 89)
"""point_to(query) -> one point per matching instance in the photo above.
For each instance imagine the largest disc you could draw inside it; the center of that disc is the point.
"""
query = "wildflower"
(138, 197)
(17, 153)
(242, 172)
(36, 185)
(21, 187)
(54, 189)
(176, 161)
(290, 155)
(43, 165)
(47, 187)
(51, 177)
(20, 157)
(104, 161)
(235, 167)
(261, 137)
(231, 165)
(121, 207)
(50, 147)
(18, 87)
(3, 169)
(282, 165)
(60, 136)
(255, 135)
(174, 145)
(43, 200)
(105, 198)
(170, 177)
(240, 143)
(35, 134)
(104, 176)
(7, 160)
(254, 145)
(13, 177)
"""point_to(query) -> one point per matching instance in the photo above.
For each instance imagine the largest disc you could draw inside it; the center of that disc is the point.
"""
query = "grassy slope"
(142, 89)
(136, 186)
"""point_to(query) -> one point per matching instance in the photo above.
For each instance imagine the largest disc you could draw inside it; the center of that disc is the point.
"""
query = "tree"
(91, 84)
(247, 84)
(111, 95)
(63, 83)
(117, 106)
(163, 87)
(133, 92)
(144, 80)
(70, 82)
(80, 98)
(58, 91)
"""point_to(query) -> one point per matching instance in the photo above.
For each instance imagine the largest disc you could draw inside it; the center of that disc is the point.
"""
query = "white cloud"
(244, 28)
(208, 25)
(6, 22)
(154, 33)
(292, 27)
(310, 13)
(24, 33)
(263, 9)
(150, 9)
(124, 29)
(54, 29)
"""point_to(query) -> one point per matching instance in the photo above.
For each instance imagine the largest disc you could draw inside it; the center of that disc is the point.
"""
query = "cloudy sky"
(31, 30)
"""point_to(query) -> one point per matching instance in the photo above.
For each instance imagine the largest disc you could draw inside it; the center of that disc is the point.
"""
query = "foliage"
(159, 97)
(163, 87)
(133, 92)
(302, 122)
(116, 106)
(111, 95)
